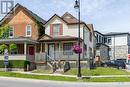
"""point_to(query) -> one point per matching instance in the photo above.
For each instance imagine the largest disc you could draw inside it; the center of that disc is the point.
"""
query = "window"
(109, 40)
(100, 38)
(97, 38)
(90, 37)
(67, 49)
(105, 40)
(28, 31)
(90, 51)
(56, 29)
(85, 49)
(11, 32)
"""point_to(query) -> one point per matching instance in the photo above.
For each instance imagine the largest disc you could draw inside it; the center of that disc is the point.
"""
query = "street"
(16, 82)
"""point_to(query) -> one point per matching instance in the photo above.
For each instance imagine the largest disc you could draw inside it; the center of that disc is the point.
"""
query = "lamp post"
(77, 7)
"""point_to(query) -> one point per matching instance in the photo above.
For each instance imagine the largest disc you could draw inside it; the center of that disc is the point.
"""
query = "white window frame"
(13, 32)
(27, 30)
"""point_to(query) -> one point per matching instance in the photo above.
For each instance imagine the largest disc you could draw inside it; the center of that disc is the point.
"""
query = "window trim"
(30, 31)
(60, 32)
(13, 32)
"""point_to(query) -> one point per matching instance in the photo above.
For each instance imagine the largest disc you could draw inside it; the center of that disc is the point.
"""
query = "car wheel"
(105, 65)
(119, 67)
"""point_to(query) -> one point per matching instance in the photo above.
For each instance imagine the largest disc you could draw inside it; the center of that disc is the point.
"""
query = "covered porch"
(60, 48)
(25, 49)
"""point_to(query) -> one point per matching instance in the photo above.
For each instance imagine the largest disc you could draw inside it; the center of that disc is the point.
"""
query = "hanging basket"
(76, 49)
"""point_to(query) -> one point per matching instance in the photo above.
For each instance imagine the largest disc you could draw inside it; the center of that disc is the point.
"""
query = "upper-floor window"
(28, 31)
(109, 41)
(56, 29)
(100, 38)
(11, 32)
(97, 38)
(90, 37)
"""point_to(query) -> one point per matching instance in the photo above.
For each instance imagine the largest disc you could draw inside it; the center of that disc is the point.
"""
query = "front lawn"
(61, 78)
(98, 71)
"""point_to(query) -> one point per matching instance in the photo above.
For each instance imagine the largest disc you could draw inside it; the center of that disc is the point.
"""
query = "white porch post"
(25, 48)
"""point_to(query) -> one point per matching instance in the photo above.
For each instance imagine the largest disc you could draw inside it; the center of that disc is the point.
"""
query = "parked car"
(114, 63)
(123, 60)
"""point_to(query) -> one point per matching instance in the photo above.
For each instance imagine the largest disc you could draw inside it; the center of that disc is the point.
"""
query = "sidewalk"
(103, 76)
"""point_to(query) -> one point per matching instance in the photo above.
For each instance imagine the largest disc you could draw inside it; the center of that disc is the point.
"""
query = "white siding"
(118, 40)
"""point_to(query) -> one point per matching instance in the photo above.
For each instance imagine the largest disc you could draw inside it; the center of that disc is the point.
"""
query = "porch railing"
(57, 55)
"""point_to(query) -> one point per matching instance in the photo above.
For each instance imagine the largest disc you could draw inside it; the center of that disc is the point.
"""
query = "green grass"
(98, 71)
(61, 78)
(43, 71)
(40, 77)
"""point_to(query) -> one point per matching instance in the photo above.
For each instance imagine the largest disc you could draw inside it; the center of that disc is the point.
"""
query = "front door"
(31, 50)
(51, 50)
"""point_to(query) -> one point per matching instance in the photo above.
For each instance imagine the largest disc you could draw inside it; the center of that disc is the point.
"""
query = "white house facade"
(61, 34)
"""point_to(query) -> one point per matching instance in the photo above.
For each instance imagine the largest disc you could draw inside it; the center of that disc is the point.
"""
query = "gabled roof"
(68, 19)
(33, 15)
(55, 15)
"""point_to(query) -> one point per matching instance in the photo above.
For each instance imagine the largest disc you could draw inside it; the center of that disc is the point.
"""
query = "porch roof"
(16, 40)
(48, 38)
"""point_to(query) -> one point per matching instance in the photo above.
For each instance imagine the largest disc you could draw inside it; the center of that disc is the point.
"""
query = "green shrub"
(12, 47)
(15, 64)
(2, 48)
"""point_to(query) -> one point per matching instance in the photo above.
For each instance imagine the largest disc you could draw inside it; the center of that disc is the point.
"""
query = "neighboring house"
(61, 33)
(23, 31)
(119, 44)
(102, 50)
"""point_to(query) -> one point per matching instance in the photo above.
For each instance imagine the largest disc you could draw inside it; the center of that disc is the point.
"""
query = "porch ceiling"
(17, 40)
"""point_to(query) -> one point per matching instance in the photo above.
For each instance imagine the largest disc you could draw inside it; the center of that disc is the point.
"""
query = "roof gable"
(53, 17)
(30, 13)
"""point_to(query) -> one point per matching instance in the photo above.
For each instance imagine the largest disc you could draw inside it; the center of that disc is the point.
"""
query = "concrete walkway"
(103, 76)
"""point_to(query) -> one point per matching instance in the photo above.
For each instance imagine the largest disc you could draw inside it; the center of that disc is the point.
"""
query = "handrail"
(48, 57)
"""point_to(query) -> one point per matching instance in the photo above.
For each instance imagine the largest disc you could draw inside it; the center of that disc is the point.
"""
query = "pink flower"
(77, 49)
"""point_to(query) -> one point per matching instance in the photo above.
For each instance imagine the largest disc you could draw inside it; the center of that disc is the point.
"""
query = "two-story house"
(61, 34)
(24, 32)
(102, 50)
(119, 43)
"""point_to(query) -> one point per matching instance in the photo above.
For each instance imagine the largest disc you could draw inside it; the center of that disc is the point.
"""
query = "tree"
(4, 31)
(2, 48)
(12, 48)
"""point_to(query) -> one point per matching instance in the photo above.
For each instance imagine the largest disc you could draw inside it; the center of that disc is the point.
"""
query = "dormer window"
(11, 32)
(28, 31)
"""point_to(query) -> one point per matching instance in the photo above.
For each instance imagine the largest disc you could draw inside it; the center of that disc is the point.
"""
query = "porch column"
(41, 47)
(25, 48)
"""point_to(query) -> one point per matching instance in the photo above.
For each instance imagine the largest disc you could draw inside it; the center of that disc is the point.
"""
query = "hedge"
(15, 64)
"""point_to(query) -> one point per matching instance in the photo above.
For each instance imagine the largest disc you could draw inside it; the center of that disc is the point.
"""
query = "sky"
(105, 15)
